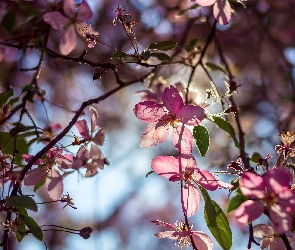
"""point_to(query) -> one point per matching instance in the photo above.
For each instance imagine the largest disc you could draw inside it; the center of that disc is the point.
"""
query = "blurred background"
(119, 202)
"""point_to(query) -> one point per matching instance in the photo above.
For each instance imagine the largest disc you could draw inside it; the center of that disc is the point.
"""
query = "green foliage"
(202, 139)
(9, 22)
(165, 45)
(181, 13)
(214, 67)
(20, 128)
(146, 55)
(23, 201)
(161, 56)
(7, 146)
(227, 127)
(5, 96)
(217, 221)
(235, 202)
(32, 225)
(255, 157)
(191, 45)
(118, 55)
(40, 184)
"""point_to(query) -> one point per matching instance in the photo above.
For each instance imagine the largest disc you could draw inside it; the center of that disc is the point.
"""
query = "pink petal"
(281, 219)
(149, 111)
(166, 234)
(182, 139)
(70, 8)
(27, 158)
(165, 166)
(94, 119)
(252, 185)
(83, 154)
(95, 152)
(202, 240)
(155, 133)
(35, 176)
(84, 12)
(277, 244)
(172, 99)
(99, 137)
(56, 20)
(191, 115)
(163, 224)
(224, 185)
(277, 179)
(206, 180)
(66, 161)
(222, 11)
(187, 161)
(249, 210)
(83, 129)
(68, 40)
(205, 2)
(190, 199)
(262, 230)
(54, 184)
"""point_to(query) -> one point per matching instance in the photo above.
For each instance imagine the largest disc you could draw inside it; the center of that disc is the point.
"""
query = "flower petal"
(262, 230)
(205, 2)
(165, 166)
(190, 199)
(191, 115)
(202, 240)
(206, 180)
(35, 176)
(56, 20)
(166, 234)
(83, 129)
(54, 184)
(252, 185)
(149, 111)
(94, 119)
(182, 139)
(84, 12)
(27, 158)
(70, 8)
(277, 179)
(281, 219)
(222, 11)
(155, 133)
(249, 210)
(164, 224)
(172, 99)
(99, 137)
(68, 40)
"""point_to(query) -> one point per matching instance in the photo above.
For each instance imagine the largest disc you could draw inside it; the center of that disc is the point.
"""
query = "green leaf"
(235, 202)
(191, 45)
(24, 201)
(202, 139)
(161, 56)
(146, 176)
(118, 55)
(20, 128)
(181, 13)
(35, 229)
(5, 96)
(9, 22)
(217, 221)
(146, 55)
(21, 231)
(214, 66)
(7, 145)
(255, 157)
(227, 127)
(165, 45)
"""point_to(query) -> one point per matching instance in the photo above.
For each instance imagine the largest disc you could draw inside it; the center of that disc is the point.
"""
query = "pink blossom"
(184, 168)
(75, 21)
(273, 190)
(46, 170)
(159, 118)
(182, 233)
(221, 9)
(269, 238)
(91, 159)
(87, 135)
